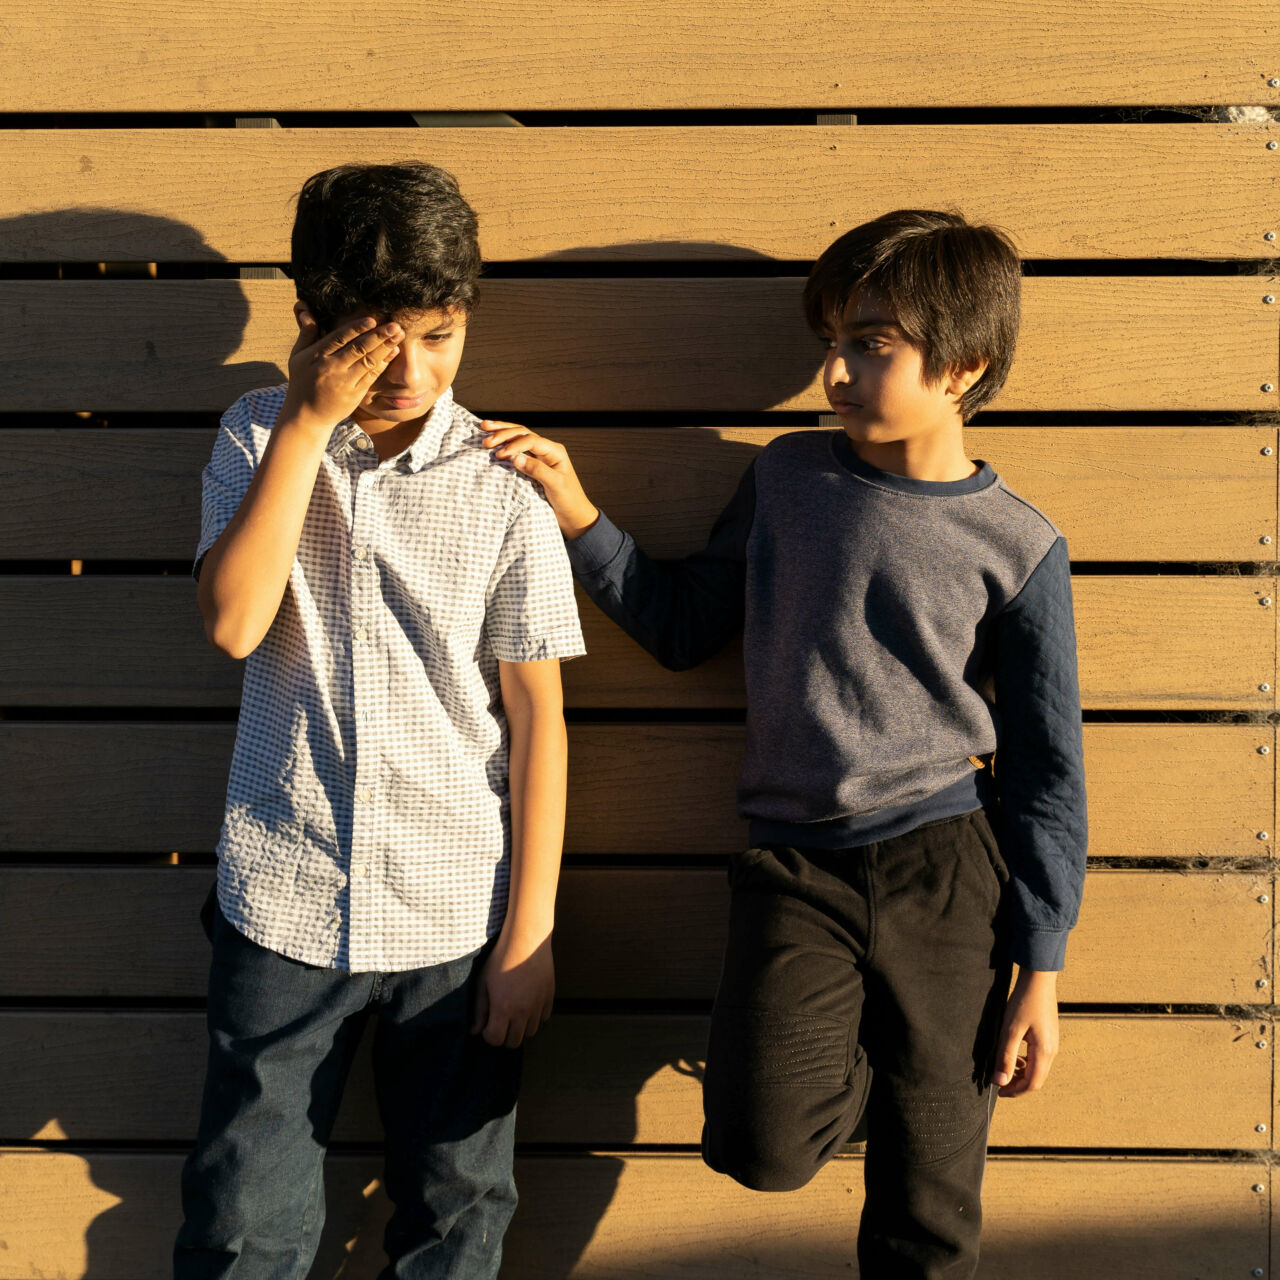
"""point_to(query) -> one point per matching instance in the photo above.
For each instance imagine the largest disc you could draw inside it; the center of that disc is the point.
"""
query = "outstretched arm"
(681, 611)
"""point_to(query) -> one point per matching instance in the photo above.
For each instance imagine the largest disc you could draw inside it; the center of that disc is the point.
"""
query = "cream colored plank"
(615, 1079)
(1062, 190)
(1135, 493)
(111, 1215)
(1054, 1219)
(1145, 642)
(1166, 791)
(513, 55)
(654, 344)
(1117, 493)
(632, 934)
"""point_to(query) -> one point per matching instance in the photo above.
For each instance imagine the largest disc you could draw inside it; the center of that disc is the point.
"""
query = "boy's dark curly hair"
(954, 288)
(384, 238)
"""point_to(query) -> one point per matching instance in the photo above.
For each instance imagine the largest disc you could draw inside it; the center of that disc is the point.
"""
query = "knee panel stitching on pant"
(935, 1124)
(785, 1048)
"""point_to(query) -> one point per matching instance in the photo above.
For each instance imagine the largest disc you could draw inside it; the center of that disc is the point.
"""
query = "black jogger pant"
(870, 978)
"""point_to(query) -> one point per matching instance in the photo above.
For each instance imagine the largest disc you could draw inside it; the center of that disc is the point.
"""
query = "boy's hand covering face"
(330, 375)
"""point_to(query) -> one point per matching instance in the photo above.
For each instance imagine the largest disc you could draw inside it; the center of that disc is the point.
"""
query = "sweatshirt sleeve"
(1039, 764)
(681, 611)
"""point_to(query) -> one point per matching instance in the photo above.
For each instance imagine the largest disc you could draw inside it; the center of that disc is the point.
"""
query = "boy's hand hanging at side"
(548, 463)
(516, 991)
(330, 375)
(1031, 1015)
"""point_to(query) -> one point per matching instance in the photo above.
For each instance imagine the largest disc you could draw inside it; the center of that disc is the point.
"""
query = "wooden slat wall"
(194, 344)
(513, 55)
(643, 193)
(1135, 416)
(1155, 790)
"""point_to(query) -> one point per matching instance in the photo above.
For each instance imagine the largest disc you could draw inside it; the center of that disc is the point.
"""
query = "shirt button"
(361, 634)
(359, 871)
(363, 442)
(363, 795)
(360, 553)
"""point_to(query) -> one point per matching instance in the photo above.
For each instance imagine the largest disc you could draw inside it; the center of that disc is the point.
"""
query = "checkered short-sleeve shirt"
(367, 820)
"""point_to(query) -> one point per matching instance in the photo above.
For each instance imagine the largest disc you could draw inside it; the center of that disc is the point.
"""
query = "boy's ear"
(304, 318)
(960, 379)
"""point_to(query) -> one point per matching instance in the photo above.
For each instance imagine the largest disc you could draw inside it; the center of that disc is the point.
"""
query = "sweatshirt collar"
(842, 447)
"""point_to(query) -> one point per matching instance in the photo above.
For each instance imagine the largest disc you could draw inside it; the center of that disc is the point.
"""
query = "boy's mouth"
(401, 402)
(844, 406)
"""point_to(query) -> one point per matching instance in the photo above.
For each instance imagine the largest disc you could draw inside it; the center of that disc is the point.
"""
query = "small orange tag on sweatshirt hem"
(977, 763)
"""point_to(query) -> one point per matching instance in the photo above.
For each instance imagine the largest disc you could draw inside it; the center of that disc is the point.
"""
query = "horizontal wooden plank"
(654, 344)
(1063, 190)
(1127, 493)
(111, 1215)
(609, 1080)
(1145, 643)
(1168, 791)
(516, 56)
(631, 934)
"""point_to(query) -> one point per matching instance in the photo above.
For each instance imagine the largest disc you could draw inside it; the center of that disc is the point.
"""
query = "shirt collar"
(425, 447)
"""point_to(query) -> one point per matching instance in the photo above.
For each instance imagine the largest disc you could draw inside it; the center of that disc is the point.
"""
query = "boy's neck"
(938, 456)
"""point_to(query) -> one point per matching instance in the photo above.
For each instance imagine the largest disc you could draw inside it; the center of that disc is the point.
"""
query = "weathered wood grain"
(1117, 493)
(597, 345)
(1155, 790)
(111, 1215)
(1062, 190)
(1144, 642)
(631, 934)
(608, 1080)
(512, 55)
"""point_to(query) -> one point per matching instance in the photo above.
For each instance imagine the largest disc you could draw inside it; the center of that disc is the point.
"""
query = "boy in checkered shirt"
(395, 809)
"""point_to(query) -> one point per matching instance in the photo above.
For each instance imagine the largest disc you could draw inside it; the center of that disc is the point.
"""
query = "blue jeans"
(282, 1038)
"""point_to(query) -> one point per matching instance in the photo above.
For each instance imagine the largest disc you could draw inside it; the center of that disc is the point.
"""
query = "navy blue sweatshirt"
(895, 632)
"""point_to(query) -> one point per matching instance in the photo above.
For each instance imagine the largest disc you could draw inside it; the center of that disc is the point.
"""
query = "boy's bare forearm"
(245, 572)
(538, 773)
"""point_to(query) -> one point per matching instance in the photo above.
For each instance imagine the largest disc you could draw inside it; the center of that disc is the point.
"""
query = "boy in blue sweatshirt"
(906, 617)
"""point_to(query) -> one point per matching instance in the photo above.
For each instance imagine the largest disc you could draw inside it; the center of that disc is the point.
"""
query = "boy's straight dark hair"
(955, 290)
(384, 238)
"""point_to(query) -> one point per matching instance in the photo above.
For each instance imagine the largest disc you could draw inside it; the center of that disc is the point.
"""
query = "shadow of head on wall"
(164, 344)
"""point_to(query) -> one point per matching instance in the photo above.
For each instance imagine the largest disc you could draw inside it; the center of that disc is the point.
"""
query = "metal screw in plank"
(1269, 235)
(1268, 298)
(1264, 688)
(1272, 146)
(1262, 835)
(1262, 1044)
(1264, 751)
(1260, 1128)
(1262, 897)
(1265, 601)
(1257, 1186)
(1265, 539)
(1268, 386)
(1267, 450)
(1261, 984)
